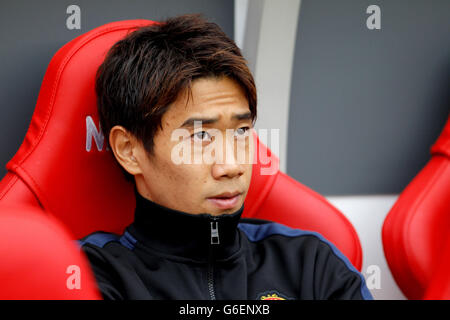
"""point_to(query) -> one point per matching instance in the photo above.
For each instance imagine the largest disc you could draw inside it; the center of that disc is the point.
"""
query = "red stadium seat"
(39, 259)
(439, 285)
(417, 227)
(64, 167)
(280, 198)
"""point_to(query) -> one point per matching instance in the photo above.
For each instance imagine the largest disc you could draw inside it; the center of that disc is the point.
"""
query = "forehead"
(213, 97)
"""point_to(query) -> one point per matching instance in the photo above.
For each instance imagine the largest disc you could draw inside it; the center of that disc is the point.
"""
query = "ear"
(125, 147)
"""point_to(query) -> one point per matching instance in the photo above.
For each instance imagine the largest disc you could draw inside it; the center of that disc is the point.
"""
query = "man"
(178, 104)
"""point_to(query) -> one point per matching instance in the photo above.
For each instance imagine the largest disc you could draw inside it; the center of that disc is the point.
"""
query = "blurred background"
(358, 97)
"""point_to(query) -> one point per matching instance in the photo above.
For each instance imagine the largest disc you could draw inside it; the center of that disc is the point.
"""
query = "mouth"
(226, 200)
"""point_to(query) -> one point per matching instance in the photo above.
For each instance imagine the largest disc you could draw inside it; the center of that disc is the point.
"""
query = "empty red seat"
(417, 227)
(39, 259)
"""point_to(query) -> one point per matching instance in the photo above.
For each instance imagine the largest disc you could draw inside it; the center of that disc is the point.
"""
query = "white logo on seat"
(92, 132)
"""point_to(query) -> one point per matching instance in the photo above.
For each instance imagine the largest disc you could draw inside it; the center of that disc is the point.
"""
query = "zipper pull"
(214, 232)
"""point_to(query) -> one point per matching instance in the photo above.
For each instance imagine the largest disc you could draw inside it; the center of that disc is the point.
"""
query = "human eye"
(201, 136)
(241, 132)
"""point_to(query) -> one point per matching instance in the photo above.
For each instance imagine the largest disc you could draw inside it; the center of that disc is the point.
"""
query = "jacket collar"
(199, 237)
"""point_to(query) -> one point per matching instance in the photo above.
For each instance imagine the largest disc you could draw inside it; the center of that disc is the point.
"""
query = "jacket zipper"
(215, 240)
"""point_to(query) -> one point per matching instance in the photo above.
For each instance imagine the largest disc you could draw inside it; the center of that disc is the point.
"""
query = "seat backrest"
(30, 269)
(417, 227)
(64, 167)
(439, 286)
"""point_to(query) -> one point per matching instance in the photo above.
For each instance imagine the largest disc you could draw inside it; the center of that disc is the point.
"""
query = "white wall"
(269, 45)
(240, 15)
(367, 214)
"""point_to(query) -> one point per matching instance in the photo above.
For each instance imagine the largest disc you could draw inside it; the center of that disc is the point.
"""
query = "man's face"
(217, 154)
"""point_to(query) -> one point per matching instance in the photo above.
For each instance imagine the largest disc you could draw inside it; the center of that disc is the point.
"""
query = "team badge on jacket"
(272, 295)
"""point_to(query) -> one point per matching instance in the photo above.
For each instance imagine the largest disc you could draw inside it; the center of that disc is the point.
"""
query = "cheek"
(195, 176)
(186, 178)
(248, 173)
(183, 169)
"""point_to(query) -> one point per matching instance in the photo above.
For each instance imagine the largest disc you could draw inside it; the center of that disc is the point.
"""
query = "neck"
(183, 234)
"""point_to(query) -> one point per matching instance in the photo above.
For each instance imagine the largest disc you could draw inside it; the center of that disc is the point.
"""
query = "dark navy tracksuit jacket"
(168, 254)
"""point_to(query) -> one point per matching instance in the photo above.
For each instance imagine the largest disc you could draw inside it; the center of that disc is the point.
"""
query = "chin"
(217, 211)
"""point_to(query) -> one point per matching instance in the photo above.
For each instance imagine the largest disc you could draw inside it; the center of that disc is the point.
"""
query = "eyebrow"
(190, 122)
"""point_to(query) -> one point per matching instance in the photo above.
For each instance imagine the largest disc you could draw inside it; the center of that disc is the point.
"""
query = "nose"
(227, 170)
(231, 167)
